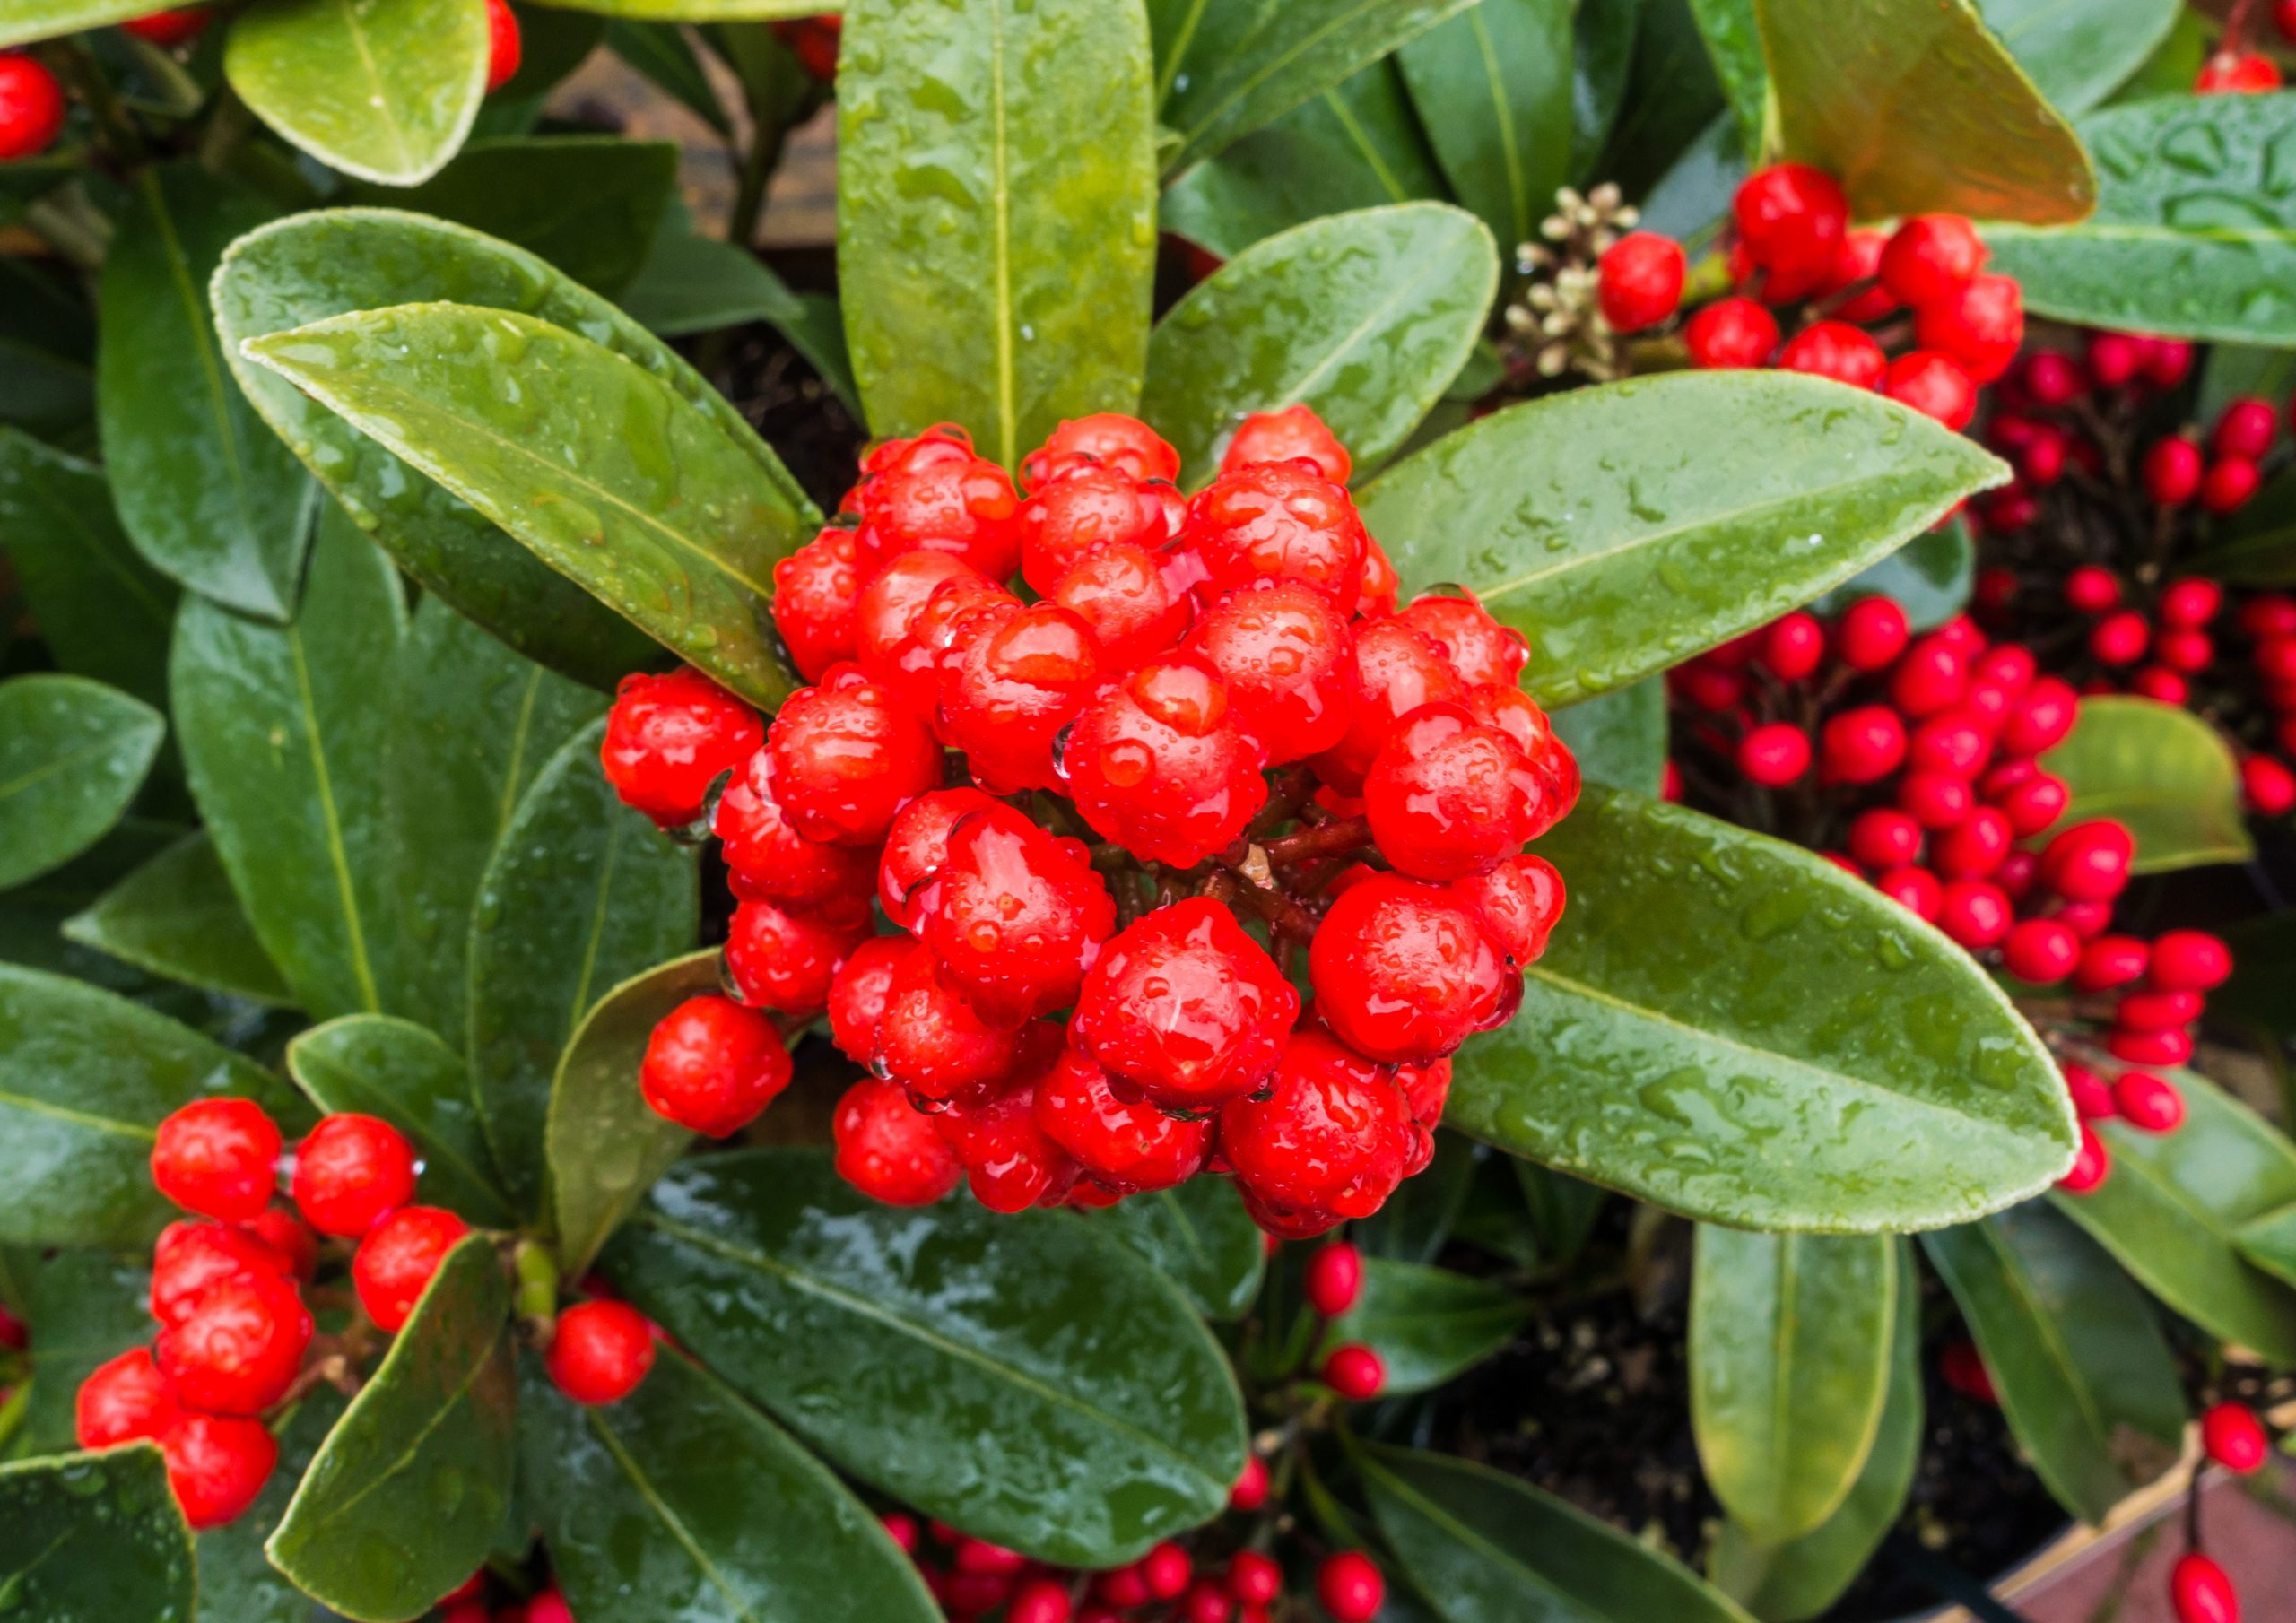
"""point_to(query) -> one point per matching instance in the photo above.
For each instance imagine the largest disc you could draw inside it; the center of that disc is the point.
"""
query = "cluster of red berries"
(1794, 246)
(1074, 1009)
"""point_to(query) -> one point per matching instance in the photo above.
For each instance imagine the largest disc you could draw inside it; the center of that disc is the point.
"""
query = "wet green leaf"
(1789, 1368)
(1625, 527)
(2194, 232)
(236, 1580)
(1790, 1050)
(283, 741)
(85, 1308)
(580, 894)
(2077, 56)
(177, 916)
(1420, 1215)
(86, 1537)
(402, 1500)
(1930, 578)
(1620, 737)
(2085, 1377)
(24, 20)
(1427, 1324)
(205, 494)
(1364, 317)
(1602, 53)
(1202, 1238)
(33, 916)
(1734, 41)
(600, 466)
(1672, 98)
(995, 270)
(1492, 87)
(2162, 770)
(1026, 1378)
(382, 89)
(72, 753)
(682, 1502)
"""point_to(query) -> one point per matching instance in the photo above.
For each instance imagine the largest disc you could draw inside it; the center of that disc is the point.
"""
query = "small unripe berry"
(600, 1352)
(1350, 1587)
(1732, 333)
(2234, 1437)
(395, 1261)
(218, 1157)
(350, 1171)
(1334, 1278)
(1355, 1372)
(1639, 281)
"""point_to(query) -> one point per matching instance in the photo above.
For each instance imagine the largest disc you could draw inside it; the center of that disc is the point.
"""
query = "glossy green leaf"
(23, 20)
(2232, 370)
(994, 269)
(1734, 41)
(581, 894)
(2173, 1206)
(662, 52)
(338, 260)
(2269, 1242)
(85, 1308)
(1485, 1548)
(177, 916)
(1026, 1378)
(237, 1581)
(1789, 1368)
(711, 11)
(1602, 56)
(1691, 200)
(1730, 1027)
(2077, 56)
(382, 89)
(401, 1073)
(403, 1499)
(1625, 527)
(1420, 1215)
(1563, 1210)
(604, 1143)
(2085, 1377)
(72, 753)
(205, 494)
(284, 741)
(1930, 578)
(102, 611)
(88, 1538)
(600, 466)
(33, 916)
(1492, 87)
(1200, 1237)
(682, 1503)
(1364, 317)
(2195, 232)
(1620, 737)
(1426, 1324)
(2162, 770)
(1915, 106)
(1672, 98)
(85, 1079)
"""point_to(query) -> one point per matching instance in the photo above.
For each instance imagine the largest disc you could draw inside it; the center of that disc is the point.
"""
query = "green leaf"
(600, 466)
(85, 1079)
(47, 345)
(175, 916)
(2162, 770)
(604, 1144)
(1672, 98)
(711, 11)
(72, 753)
(2256, 546)
(1562, 1210)
(102, 611)
(2176, 61)
(336, 260)
(1420, 1218)
(994, 269)
(24, 20)
(1734, 41)
(94, 1536)
(381, 91)
(236, 1580)
(2085, 1378)
(2194, 232)
(1620, 737)
(283, 740)
(1691, 200)
(1929, 577)
(2235, 369)
(1603, 54)
(587, 203)
(207, 497)
(682, 1502)
(2079, 56)
(1427, 1324)
(85, 1308)
(1202, 1238)
(2173, 1206)
(401, 1501)
(1789, 1368)
(1364, 317)
(660, 51)
(33, 916)
(399, 1073)
(1025, 1378)
(581, 894)
(552, 44)
(1731, 1027)
(1492, 86)
(1625, 527)
(2270, 1242)
(1484, 1547)
(1915, 106)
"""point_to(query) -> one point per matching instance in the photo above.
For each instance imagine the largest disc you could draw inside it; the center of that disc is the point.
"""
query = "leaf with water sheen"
(1624, 528)
(1364, 317)
(712, 10)
(1492, 87)
(1731, 1027)
(1619, 737)
(1929, 577)
(1427, 1324)
(1025, 1378)
(2079, 55)
(236, 1580)
(2162, 770)
(91, 1538)
(1202, 1238)
(24, 20)
(90, 1306)
(177, 916)
(399, 1073)
(1733, 42)
(72, 753)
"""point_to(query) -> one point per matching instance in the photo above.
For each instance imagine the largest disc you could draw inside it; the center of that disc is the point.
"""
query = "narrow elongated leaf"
(47, 345)
(1202, 1238)
(2077, 56)
(1929, 577)
(600, 466)
(1364, 317)
(86, 1307)
(1426, 1324)
(1789, 1368)
(580, 894)
(682, 1502)
(661, 51)
(45, 19)
(1915, 106)
(1025, 1378)
(72, 753)
(2194, 231)
(1419, 1217)
(2085, 1377)
(402, 1500)
(399, 1073)
(1562, 1210)
(2162, 770)
(94, 1536)
(552, 45)
(1626, 528)
(384, 90)
(2269, 1242)
(205, 494)
(177, 916)
(1734, 41)
(33, 916)
(1485, 1548)
(1492, 87)
(284, 745)
(236, 1579)
(1602, 54)
(1731, 1027)
(995, 270)
(85, 1079)
(1672, 98)
(1619, 737)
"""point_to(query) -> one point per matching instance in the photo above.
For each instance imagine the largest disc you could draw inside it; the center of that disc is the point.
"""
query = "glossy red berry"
(2270, 787)
(858, 993)
(1124, 443)
(1871, 634)
(1732, 333)
(350, 1172)
(712, 1065)
(1158, 762)
(2040, 951)
(1087, 509)
(1333, 1138)
(939, 502)
(238, 1349)
(1293, 434)
(1253, 1578)
(1185, 1008)
(2236, 73)
(1334, 1278)
(1398, 669)
(166, 30)
(2172, 471)
(2090, 861)
(503, 50)
(2053, 378)
(190, 1258)
(601, 1351)
(1481, 651)
(1774, 754)
(847, 758)
(1128, 1147)
(669, 738)
(2092, 1164)
(1934, 384)
(1980, 324)
(1015, 917)
(2188, 961)
(2234, 1437)
(1793, 647)
(2191, 604)
(1449, 796)
(1974, 848)
(1350, 1587)
(1129, 599)
(289, 1239)
(1937, 801)
(1009, 1159)
(1639, 281)
(2119, 640)
(2245, 429)
(1974, 914)
(2200, 1590)
(1006, 698)
(889, 1150)
(2092, 1099)
(1403, 973)
(2040, 718)
(1884, 838)
(1286, 655)
(1166, 1570)
(2147, 1102)
(550, 1606)
(1791, 218)
(911, 616)
(1279, 521)
(1038, 1601)
(395, 1260)
(2228, 484)
(218, 1157)
(931, 1040)
(123, 1401)
(786, 958)
(1517, 904)
(815, 590)
(768, 859)
(1355, 1372)
(1930, 258)
(31, 106)
(1838, 351)
(1862, 745)
(217, 1466)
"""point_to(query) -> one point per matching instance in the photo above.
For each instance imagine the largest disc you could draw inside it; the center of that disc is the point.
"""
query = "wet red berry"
(1449, 796)
(1006, 698)
(1279, 521)
(1930, 258)
(350, 1172)
(2040, 951)
(217, 1466)
(931, 1040)
(1334, 1137)
(31, 106)
(939, 501)
(1791, 218)
(669, 738)
(236, 1351)
(1732, 333)
(1015, 917)
(1517, 903)
(218, 1157)
(1185, 1008)
(786, 958)
(395, 1260)
(1871, 634)
(1402, 972)
(712, 1065)
(1124, 443)
(1980, 324)
(600, 1352)
(2092, 1164)
(1934, 384)
(1131, 601)
(1287, 656)
(1838, 351)
(847, 758)
(1293, 434)
(889, 1150)
(1159, 763)
(123, 1401)
(1128, 1147)
(815, 590)
(192, 1258)
(858, 994)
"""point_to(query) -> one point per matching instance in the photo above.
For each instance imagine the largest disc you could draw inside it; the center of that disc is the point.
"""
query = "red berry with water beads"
(1934, 384)
(1403, 972)
(1792, 219)
(350, 1172)
(816, 590)
(1127, 1146)
(1639, 281)
(123, 1401)
(1107, 438)
(1331, 1140)
(847, 757)
(218, 1157)
(712, 1065)
(786, 958)
(889, 1150)
(1286, 655)
(1015, 917)
(1931, 257)
(600, 1351)
(1158, 763)
(238, 1351)
(669, 738)
(1294, 434)
(395, 1261)
(1449, 796)
(1980, 324)
(1185, 1009)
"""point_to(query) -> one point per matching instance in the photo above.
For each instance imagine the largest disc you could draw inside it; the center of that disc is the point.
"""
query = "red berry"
(600, 1352)
(31, 106)
(1253, 1578)
(858, 994)
(2053, 379)
(2147, 1102)
(549, 1606)
(1974, 848)
(238, 1349)
(669, 738)
(911, 617)
(2160, 684)
(1006, 698)
(1934, 384)
(1402, 972)
(2119, 640)
(2110, 961)
(1166, 1569)
(1158, 762)
(1639, 281)
(2228, 484)
(1860, 262)
(1935, 800)
(350, 1172)
(1086, 508)
(2201, 1591)
(887, 1149)
(1915, 889)
(1517, 904)
(1334, 1137)
(1793, 647)
(2234, 1437)
(1861, 746)
(1449, 796)
(2091, 590)
(1731, 332)
(1129, 599)
(218, 1157)
(931, 1040)
(1129, 1147)
(712, 1065)
(395, 1260)
(1836, 350)
(1954, 742)
(2113, 359)
(815, 590)
(2093, 1100)
(1930, 258)
(2092, 1164)
(1884, 838)
(2187, 652)
(1038, 1601)
(1015, 917)
(1478, 648)
(1871, 634)
(1791, 218)
(1350, 1588)
(2245, 429)
(786, 958)
(502, 45)
(191, 1259)
(2150, 1047)
(1334, 1278)
(1933, 675)
(166, 30)
(1249, 1493)
(917, 845)
(2040, 951)
(2188, 961)
(846, 758)
(1981, 323)
(1288, 660)
(1009, 1159)
(1963, 1368)
(1355, 1372)
(1291, 435)
(1398, 669)
(2237, 74)
(2042, 718)
(123, 1401)
(2090, 861)
(1279, 521)
(217, 1466)
(2172, 471)
(1124, 443)
(2191, 604)
(766, 856)
(289, 1239)
(1974, 914)
(1774, 754)
(945, 499)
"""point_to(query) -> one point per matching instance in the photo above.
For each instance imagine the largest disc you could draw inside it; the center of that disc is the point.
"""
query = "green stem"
(537, 1265)
(757, 173)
